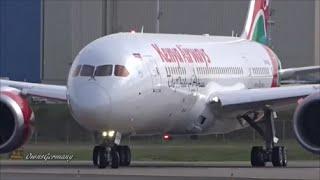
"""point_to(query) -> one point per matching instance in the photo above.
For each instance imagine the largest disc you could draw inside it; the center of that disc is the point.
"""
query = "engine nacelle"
(306, 123)
(16, 120)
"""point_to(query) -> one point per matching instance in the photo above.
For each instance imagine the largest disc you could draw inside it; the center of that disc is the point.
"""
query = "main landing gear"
(270, 153)
(110, 152)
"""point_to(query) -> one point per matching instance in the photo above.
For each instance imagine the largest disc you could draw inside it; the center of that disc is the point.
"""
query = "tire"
(277, 156)
(95, 155)
(125, 155)
(102, 158)
(284, 156)
(115, 159)
(122, 155)
(127, 160)
(257, 156)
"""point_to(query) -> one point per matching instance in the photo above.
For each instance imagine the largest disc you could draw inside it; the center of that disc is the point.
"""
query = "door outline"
(155, 73)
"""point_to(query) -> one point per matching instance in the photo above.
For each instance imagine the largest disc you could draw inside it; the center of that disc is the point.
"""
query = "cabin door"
(154, 73)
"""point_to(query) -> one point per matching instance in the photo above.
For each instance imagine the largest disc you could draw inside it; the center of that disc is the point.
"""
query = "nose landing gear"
(111, 153)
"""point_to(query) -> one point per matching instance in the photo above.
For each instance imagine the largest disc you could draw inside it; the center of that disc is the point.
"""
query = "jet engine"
(16, 120)
(306, 123)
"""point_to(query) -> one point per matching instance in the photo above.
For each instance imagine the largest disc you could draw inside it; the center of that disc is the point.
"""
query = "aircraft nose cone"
(91, 105)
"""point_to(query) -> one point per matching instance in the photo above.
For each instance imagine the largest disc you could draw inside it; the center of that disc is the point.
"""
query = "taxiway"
(27, 170)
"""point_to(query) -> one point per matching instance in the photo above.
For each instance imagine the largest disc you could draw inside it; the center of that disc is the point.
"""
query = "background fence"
(55, 124)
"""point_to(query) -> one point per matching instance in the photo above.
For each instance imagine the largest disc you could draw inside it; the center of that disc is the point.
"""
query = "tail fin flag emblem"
(256, 26)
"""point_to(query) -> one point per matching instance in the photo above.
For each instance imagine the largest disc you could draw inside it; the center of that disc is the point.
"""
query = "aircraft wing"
(290, 73)
(52, 92)
(256, 99)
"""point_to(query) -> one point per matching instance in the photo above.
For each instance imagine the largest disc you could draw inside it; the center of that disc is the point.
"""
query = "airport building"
(40, 38)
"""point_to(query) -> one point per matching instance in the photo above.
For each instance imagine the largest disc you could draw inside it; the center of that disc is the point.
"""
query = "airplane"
(172, 84)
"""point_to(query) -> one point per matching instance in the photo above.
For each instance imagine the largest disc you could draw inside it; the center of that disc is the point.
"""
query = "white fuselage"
(170, 79)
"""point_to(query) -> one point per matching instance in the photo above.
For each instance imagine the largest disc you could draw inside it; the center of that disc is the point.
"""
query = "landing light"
(215, 99)
(104, 134)
(111, 133)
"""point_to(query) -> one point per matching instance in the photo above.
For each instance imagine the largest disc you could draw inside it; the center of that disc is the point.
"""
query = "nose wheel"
(100, 157)
(124, 155)
(110, 153)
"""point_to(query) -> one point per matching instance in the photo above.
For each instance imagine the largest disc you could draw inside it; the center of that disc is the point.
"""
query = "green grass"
(174, 151)
(191, 153)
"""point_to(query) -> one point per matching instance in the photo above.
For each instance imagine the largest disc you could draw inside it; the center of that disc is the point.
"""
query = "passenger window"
(76, 71)
(105, 70)
(120, 70)
(87, 70)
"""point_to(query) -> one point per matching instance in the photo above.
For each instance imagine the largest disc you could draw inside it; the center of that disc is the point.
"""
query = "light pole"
(317, 32)
(158, 17)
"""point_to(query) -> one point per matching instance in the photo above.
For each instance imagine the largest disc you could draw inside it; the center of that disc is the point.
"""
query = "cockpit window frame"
(104, 73)
(123, 71)
(89, 73)
(77, 70)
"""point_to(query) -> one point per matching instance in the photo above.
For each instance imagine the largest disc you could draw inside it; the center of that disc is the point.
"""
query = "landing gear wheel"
(96, 150)
(102, 158)
(115, 159)
(257, 157)
(95, 155)
(125, 155)
(284, 156)
(277, 156)
(128, 156)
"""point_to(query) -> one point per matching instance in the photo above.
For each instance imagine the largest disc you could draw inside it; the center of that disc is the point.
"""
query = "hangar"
(40, 38)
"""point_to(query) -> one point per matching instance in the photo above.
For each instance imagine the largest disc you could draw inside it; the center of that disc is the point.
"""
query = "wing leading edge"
(53, 92)
(255, 99)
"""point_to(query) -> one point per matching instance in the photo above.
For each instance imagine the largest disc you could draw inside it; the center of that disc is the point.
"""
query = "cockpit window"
(120, 70)
(76, 71)
(105, 70)
(87, 70)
